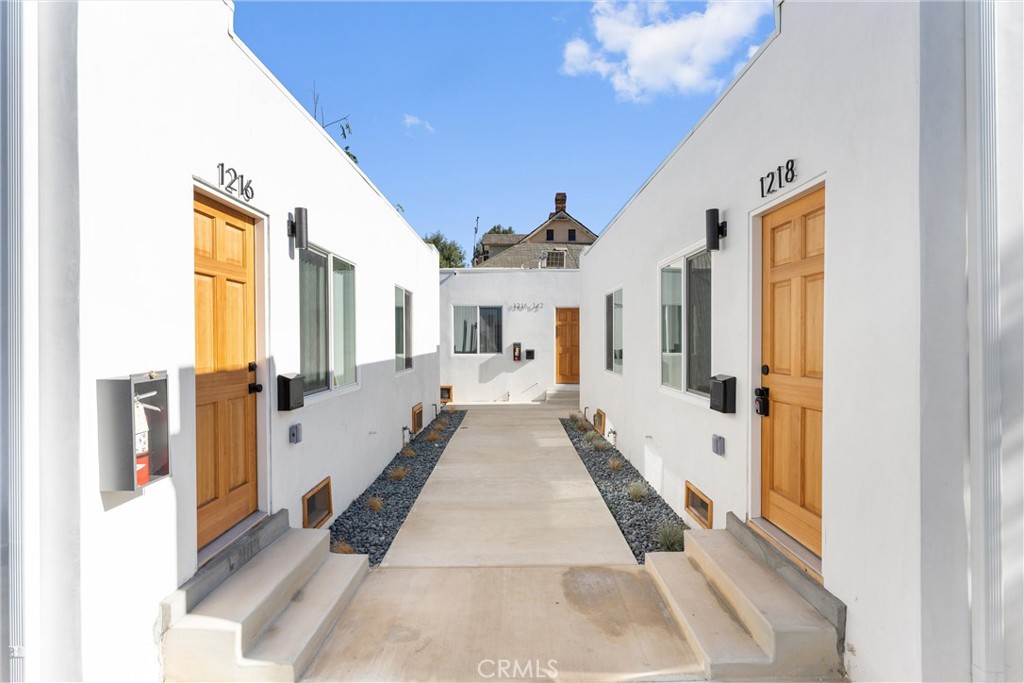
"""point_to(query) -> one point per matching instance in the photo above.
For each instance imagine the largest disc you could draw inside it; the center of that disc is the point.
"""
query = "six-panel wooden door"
(793, 301)
(225, 310)
(567, 345)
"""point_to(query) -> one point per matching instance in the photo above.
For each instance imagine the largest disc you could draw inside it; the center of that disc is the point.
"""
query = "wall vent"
(417, 418)
(599, 421)
(316, 505)
(446, 393)
(700, 507)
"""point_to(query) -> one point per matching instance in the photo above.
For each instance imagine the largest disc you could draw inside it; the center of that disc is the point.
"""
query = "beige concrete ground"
(509, 490)
(508, 558)
(569, 624)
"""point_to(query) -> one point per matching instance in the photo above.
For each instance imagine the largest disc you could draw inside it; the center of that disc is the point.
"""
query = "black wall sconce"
(715, 230)
(298, 228)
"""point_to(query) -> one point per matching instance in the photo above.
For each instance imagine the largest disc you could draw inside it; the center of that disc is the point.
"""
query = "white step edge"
(725, 649)
(797, 638)
(294, 638)
(260, 590)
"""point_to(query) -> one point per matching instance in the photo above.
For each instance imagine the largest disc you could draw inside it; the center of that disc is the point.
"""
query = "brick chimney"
(559, 201)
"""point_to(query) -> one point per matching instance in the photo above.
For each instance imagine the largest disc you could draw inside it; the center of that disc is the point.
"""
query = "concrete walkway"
(509, 558)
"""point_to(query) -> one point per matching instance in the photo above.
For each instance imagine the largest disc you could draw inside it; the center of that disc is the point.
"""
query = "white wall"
(496, 377)
(839, 90)
(164, 94)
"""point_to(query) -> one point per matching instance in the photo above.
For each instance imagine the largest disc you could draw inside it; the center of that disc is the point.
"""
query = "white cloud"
(644, 49)
(413, 122)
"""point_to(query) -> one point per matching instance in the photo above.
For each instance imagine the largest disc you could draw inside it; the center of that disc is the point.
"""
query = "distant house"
(555, 243)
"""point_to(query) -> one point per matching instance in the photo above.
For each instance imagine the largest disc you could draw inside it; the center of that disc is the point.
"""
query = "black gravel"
(638, 521)
(371, 533)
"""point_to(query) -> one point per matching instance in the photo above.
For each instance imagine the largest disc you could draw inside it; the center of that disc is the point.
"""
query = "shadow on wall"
(499, 364)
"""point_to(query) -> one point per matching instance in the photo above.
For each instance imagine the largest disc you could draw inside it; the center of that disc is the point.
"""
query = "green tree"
(452, 255)
(499, 229)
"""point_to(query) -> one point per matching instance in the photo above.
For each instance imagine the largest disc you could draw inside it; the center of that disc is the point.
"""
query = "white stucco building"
(487, 312)
(868, 166)
(151, 167)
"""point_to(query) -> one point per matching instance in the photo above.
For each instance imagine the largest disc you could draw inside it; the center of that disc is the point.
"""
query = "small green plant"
(375, 503)
(614, 464)
(637, 491)
(442, 423)
(432, 435)
(576, 417)
(408, 452)
(397, 473)
(342, 547)
(585, 426)
(600, 444)
(590, 436)
(670, 536)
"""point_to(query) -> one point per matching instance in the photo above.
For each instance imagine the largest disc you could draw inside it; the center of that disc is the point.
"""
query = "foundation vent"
(700, 507)
(316, 505)
(599, 421)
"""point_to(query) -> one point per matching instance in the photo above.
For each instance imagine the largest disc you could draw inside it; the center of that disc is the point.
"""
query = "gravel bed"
(371, 532)
(638, 521)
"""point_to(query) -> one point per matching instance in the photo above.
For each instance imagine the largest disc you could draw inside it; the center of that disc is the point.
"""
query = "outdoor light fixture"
(714, 230)
(298, 228)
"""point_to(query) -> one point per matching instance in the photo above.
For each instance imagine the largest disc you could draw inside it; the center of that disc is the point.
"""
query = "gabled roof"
(559, 216)
(497, 238)
(528, 255)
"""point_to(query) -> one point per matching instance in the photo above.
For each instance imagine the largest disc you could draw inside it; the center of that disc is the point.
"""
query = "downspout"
(987, 660)
(11, 422)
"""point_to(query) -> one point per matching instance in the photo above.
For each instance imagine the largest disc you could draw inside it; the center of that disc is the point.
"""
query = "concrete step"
(725, 649)
(798, 640)
(265, 622)
(295, 636)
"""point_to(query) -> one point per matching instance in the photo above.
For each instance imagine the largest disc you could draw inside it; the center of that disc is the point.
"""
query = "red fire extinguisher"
(142, 438)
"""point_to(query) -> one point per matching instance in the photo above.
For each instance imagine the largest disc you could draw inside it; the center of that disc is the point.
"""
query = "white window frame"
(682, 393)
(611, 370)
(407, 354)
(479, 352)
(331, 389)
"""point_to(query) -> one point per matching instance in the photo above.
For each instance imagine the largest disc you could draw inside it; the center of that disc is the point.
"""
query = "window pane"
(399, 328)
(408, 329)
(609, 335)
(343, 282)
(698, 323)
(490, 330)
(464, 332)
(313, 320)
(672, 326)
(617, 332)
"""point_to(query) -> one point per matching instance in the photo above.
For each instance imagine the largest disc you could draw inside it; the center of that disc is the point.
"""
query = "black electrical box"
(289, 392)
(723, 393)
(529, 354)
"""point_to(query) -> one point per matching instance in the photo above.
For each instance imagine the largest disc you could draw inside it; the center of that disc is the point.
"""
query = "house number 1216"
(235, 183)
(778, 179)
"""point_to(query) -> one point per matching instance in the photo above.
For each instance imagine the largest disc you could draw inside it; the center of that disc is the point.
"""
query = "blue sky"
(466, 109)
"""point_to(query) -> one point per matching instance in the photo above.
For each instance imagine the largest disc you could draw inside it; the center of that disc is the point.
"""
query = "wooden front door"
(793, 298)
(226, 490)
(567, 345)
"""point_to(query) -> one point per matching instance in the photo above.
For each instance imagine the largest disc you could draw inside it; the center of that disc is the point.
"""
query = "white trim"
(985, 397)
(11, 356)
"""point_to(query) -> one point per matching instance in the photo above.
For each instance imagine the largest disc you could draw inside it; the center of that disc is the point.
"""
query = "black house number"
(235, 183)
(778, 179)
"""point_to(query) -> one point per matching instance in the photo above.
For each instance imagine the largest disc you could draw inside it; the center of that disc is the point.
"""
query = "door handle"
(255, 388)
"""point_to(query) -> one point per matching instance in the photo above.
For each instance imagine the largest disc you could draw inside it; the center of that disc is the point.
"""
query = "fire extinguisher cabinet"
(132, 430)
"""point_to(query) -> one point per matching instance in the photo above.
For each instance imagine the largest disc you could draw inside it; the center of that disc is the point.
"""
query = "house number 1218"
(779, 178)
